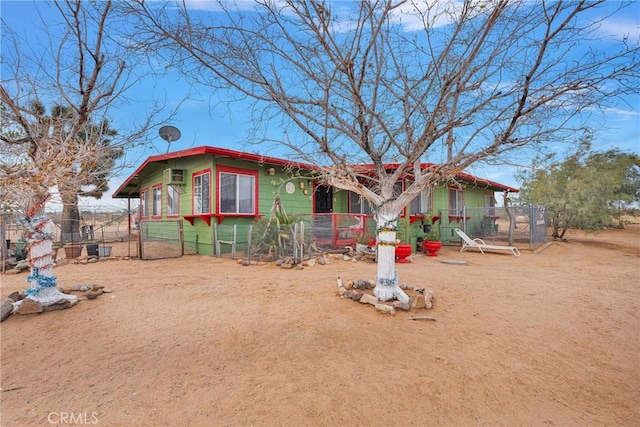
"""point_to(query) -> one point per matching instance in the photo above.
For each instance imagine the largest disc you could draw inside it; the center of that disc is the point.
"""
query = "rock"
(350, 284)
(349, 294)
(92, 260)
(401, 305)
(62, 262)
(286, 265)
(428, 300)
(96, 288)
(106, 290)
(357, 296)
(341, 290)
(83, 261)
(372, 284)
(368, 299)
(362, 284)
(82, 288)
(386, 309)
(310, 262)
(61, 304)
(417, 301)
(300, 267)
(22, 265)
(29, 306)
(246, 263)
(15, 296)
(404, 287)
(278, 262)
(92, 294)
(12, 271)
(346, 257)
(323, 261)
(6, 308)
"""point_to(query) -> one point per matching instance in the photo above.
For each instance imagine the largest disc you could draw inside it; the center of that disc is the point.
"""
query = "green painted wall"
(199, 236)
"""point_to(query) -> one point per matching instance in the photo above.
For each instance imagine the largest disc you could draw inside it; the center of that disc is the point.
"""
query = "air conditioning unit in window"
(174, 176)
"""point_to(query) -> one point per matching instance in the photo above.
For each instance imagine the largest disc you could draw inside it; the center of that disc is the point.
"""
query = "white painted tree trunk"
(40, 234)
(387, 287)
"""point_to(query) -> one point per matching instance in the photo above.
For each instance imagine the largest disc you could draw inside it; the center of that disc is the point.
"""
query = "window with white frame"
(144, 199)
(490, 204)
(173, 194)
(201, 193)
(157, 201)
(422, 203)
(237, 193)
(456, 201)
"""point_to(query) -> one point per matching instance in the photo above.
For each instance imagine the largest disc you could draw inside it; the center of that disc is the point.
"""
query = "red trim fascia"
(236, 171)
(260, 159)
(219, 152)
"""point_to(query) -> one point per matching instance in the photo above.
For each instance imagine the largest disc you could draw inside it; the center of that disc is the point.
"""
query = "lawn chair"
(482, 246)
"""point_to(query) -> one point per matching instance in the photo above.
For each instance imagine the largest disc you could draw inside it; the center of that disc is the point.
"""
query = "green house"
(202, 193)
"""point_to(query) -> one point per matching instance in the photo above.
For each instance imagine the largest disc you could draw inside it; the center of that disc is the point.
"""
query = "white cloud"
(620, 29)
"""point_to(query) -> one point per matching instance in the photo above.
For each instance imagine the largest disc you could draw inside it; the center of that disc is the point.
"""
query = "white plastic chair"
(482, 246)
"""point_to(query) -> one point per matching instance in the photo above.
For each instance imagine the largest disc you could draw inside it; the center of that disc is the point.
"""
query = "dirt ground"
(551, 338)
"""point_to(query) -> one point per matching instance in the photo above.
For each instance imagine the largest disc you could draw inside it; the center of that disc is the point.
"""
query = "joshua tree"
(87, 72)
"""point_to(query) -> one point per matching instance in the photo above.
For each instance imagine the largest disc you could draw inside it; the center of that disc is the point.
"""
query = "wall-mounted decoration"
(290, 188)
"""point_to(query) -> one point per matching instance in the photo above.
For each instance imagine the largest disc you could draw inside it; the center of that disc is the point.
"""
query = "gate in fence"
(161, 239)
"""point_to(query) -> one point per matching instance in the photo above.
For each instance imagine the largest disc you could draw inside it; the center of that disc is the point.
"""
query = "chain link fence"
(492, 224)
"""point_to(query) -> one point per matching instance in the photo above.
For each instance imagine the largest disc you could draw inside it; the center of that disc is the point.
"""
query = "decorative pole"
(40, 233)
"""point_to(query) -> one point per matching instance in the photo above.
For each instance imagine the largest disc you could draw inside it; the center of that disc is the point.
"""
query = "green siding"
(199, 236)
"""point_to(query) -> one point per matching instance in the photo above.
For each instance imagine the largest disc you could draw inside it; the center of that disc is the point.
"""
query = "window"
(358, 204)
(237, 191)
(173, 194)
(490, 205)
(202, 193)
(456, 201)
(157, 201)
(422, 202)
(144, 199)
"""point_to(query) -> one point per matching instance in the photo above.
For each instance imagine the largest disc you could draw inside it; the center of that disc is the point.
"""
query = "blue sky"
(204, 120)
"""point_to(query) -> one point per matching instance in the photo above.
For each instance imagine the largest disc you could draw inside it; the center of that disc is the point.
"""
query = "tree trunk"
(40, 232)
(387, 276)
(512, 219)
(70, 221)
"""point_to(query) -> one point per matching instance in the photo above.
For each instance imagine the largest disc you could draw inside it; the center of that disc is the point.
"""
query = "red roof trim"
(216, 151)
(224, 152)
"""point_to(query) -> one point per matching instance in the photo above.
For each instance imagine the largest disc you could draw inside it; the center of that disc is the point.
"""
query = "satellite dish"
(169, 134)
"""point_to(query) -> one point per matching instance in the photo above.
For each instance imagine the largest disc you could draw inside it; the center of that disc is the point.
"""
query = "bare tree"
(85, 71)
(399, 82)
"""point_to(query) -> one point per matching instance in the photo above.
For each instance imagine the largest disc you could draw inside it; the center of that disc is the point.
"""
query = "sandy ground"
(551, 338)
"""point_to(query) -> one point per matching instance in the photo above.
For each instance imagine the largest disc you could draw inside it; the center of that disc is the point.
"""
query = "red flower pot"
(403, 250)
(432, 247)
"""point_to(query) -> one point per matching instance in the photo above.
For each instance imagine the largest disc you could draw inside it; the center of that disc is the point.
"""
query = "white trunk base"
(48, 296)
(388, 293)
